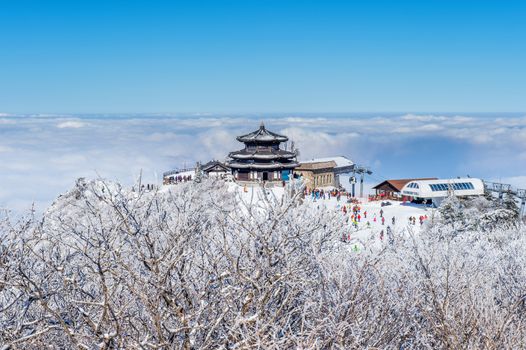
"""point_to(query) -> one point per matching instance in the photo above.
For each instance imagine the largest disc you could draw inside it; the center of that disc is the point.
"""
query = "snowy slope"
(368, 230)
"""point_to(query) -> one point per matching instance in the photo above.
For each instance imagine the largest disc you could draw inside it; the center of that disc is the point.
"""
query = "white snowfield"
(369, 227)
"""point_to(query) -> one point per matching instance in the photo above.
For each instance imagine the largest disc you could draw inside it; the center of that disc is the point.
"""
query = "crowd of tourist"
(358, 217)
(317, 194)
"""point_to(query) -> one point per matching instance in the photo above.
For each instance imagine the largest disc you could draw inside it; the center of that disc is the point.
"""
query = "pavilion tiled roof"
(213, 164)
(262, 135)
(262, 154)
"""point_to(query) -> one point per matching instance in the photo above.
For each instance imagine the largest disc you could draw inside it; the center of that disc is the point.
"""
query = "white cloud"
(162, 137)
(70, 160)
(4, 149)
(422, 118)
(40, 158)
(73, 124)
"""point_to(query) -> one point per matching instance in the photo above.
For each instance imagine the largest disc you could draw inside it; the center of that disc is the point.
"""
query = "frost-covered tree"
(451, 212)
(199, 267)
(484, 213)
(510, 203)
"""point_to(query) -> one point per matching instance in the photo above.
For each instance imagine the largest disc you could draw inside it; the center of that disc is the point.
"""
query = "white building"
(438, 189)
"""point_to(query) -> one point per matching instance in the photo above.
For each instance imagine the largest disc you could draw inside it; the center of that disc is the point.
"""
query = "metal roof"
(441, 187)
(317, 165)
(340, 161)
(398, 184)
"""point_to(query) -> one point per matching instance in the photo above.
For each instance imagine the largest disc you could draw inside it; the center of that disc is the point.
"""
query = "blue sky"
(262, 56)
(110, 88)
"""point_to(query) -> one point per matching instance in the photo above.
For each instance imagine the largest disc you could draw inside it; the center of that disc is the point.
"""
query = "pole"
(361, 184)
(353, 182)
(522, 195)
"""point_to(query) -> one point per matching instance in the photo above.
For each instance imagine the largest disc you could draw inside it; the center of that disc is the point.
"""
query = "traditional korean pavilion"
(262, 159)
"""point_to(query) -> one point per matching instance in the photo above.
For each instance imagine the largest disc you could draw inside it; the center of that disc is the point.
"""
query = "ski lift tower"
(361, 170)
(501, 188)
(521, 193)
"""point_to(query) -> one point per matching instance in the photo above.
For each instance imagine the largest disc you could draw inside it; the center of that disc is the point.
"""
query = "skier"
(365, 214)
(393, 220)
(381, 212)
(359, 217)
(383, 220)
(382, 235)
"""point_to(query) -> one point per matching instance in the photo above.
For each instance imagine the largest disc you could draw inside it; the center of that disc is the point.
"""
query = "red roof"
(397, 185)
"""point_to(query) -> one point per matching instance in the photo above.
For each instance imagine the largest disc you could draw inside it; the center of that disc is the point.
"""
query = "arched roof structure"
(442, 187)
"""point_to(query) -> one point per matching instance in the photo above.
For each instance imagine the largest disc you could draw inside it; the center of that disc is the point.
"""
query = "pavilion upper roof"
(262, 135)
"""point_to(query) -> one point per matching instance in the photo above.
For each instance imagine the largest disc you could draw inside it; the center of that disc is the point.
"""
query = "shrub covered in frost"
(196, 266)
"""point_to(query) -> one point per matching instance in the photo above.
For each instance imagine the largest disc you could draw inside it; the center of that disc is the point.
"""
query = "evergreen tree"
(489, 196)
(451, 210)
(510, 203)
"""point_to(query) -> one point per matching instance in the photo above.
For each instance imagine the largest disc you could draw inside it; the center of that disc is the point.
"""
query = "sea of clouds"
(41, 156)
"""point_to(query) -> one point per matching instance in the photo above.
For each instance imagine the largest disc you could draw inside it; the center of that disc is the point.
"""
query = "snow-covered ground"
(369, 226)
(367, 229)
